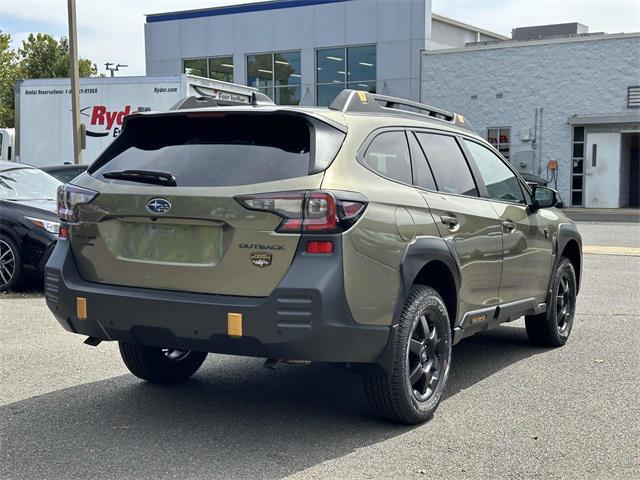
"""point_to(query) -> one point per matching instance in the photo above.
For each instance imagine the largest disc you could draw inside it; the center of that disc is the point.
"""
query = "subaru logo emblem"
(158, 205)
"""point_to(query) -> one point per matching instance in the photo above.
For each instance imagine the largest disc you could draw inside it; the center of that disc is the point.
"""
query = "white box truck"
(7, 143)
(43, 134)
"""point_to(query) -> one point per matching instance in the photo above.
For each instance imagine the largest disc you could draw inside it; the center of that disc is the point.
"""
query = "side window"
(501, 182)
(388, 154)
(449, 167)
(422, 176)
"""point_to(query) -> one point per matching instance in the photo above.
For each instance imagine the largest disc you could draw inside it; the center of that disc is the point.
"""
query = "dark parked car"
(534, 180)
(65, 173)
(28, 221)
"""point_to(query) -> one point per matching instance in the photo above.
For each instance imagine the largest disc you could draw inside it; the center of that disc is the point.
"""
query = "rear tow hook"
(92, 341)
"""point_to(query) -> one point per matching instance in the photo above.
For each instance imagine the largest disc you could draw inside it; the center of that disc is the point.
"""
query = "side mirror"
(544, 197)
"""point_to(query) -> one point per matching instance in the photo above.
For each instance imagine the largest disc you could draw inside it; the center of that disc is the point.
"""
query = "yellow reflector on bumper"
(81, 308)
(234, 325)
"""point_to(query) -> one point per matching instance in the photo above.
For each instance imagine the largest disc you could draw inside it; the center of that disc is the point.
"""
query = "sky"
(113, 30)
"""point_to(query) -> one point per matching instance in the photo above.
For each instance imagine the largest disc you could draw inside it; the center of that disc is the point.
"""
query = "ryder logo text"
(110, 120)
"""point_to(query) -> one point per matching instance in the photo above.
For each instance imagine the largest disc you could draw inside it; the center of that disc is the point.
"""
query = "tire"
(10, 264)
(160, 365)
(411, 397)
(552, 328)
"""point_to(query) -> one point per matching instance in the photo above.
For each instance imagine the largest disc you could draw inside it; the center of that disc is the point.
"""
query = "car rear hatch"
(141, 230)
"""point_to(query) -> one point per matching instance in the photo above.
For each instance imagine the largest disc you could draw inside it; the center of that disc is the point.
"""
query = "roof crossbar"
(354, 101)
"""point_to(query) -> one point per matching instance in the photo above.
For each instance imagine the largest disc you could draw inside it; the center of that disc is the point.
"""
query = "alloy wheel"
(7, 264)
(425, 357)
(175, 355)
(564, 303)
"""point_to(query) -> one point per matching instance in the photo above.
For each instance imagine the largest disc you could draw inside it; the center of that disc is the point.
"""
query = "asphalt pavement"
(511, 410)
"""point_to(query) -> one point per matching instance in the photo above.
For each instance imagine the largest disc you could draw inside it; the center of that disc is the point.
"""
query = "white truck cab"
(7, 138)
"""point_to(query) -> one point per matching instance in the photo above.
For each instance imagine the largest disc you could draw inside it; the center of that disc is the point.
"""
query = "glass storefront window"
(327, 93)
(218, 68)
(361, 63)
(287, 95)
(276, 75)
(260, 70)
(331, 65)
(287, 68)
(195, 66)
(364, 86)
(345, 67)
(221, 68)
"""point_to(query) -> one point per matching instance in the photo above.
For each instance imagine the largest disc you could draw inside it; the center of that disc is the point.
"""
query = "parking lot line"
(611, 250)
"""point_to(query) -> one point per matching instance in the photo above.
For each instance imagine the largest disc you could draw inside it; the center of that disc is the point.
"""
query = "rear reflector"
(319, 247)
(234, 325)
(81, 308)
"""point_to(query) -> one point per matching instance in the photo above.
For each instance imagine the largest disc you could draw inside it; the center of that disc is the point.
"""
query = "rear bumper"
(305, 318)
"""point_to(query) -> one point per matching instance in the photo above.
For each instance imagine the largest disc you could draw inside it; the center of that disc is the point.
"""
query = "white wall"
(400, 28)
(502, 86)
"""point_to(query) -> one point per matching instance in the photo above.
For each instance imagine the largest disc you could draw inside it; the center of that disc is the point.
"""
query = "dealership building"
(306, 51)
(557, 101)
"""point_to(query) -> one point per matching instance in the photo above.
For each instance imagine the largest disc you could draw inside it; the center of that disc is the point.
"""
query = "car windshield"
(27, 184)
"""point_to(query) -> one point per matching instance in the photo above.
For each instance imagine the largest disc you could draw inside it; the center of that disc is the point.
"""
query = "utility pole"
(75, 83)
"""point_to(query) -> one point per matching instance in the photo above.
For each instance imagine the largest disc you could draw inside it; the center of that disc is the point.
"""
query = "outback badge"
(261, 259)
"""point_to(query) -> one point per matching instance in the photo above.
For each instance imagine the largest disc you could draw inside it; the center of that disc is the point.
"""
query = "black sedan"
(28, 221)
(534, 180)
(65, 173)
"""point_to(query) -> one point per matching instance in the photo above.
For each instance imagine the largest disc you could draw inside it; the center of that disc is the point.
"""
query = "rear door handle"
(508, 227)
(449, 220)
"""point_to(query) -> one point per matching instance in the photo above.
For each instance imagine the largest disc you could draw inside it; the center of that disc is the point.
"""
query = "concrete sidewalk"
(622, 215)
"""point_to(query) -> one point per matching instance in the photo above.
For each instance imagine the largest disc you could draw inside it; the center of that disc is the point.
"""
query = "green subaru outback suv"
(375, 234)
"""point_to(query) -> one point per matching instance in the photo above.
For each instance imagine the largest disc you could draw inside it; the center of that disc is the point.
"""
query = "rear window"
(213, 149)
(449, 167)
(388, 154)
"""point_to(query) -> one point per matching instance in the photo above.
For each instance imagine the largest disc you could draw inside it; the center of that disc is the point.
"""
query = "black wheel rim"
(175, 355)
(564, 304)
(7, 264)
(425, 358)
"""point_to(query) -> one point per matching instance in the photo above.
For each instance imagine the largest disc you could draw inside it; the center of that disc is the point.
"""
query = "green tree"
(41, 56)
(8, 77)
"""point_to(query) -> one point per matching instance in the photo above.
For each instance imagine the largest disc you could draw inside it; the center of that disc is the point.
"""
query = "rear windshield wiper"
(143, 176)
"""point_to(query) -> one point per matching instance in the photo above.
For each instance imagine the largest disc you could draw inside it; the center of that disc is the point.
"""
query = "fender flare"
(422, 251)
(566, 233)
(419, 253)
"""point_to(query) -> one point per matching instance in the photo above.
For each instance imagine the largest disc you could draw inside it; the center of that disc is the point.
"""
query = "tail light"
(311, 211)
(69, 197)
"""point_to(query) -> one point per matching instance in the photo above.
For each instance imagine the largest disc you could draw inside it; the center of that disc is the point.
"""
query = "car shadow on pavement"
(233, 419)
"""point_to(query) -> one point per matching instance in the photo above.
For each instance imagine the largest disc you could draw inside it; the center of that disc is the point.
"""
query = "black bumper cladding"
(305, 318)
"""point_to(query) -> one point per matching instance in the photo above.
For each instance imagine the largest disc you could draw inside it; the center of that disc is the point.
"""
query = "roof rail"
(207, 101)
(355, 101)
